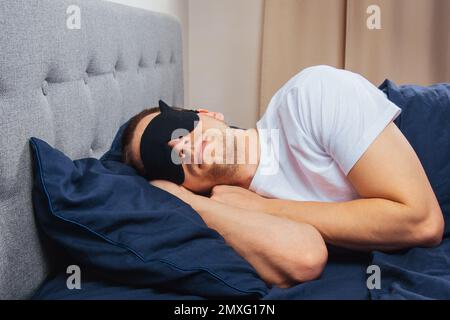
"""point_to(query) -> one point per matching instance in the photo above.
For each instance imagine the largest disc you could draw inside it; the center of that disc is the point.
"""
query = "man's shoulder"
(310, 82)
(314, 86)
(322, 74)
(307, 80)
(320, 70)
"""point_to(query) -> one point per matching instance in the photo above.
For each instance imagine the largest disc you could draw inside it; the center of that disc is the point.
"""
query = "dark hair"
(127, 138)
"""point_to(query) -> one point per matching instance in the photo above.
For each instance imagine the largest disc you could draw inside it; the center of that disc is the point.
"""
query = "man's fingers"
(165, 185)
(218, 199)
(155, 183)
(215, 115)
(222, 189)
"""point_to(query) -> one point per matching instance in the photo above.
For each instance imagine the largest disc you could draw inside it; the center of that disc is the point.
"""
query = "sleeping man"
(326, 164)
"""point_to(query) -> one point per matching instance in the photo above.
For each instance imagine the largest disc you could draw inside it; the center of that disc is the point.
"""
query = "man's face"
(206, 153)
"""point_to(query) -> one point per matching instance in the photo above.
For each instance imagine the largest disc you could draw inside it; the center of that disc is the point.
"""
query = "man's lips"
(198, 150)
(203, 146)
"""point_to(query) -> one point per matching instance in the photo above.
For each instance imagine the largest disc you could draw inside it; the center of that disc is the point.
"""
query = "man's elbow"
(308, 265)
(311, 267)
(305, 269)
(428, 230)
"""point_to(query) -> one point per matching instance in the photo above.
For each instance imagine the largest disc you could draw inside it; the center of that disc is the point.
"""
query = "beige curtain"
(412, 45)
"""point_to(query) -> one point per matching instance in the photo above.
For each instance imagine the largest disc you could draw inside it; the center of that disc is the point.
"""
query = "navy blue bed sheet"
(417, 273)
(343, 278)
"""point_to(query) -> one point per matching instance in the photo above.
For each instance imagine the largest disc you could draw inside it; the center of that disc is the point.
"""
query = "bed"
(73, 88)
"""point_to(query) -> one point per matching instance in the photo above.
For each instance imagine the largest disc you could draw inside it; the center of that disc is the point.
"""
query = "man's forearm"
(362, 224)
(282, 251)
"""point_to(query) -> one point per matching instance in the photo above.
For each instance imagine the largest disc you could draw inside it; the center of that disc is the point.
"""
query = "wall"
(178, 8)
(224, 57)
(222, 53)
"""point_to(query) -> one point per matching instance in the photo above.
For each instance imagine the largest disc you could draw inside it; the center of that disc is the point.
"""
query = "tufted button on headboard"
(72, 87)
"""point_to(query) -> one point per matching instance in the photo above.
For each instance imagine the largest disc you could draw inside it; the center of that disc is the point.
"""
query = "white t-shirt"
(324, 120)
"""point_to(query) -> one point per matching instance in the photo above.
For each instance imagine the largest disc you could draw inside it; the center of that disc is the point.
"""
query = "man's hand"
(176, 190)
(239, 197)
(283, 252)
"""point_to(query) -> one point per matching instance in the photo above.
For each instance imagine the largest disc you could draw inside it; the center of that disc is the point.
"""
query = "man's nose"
(174, 143)
(179, 145)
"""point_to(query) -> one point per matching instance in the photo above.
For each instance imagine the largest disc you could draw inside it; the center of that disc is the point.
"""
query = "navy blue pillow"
(115, 151)
(113, 222)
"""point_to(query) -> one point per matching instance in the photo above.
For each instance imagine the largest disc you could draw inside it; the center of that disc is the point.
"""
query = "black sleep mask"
(156, 154)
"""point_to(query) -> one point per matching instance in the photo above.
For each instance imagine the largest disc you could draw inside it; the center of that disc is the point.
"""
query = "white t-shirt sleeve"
(345, 113)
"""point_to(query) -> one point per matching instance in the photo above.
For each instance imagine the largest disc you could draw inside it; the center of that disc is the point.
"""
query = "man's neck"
(252, 152)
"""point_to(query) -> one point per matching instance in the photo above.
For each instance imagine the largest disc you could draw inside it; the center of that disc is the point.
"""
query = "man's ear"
(215, 115)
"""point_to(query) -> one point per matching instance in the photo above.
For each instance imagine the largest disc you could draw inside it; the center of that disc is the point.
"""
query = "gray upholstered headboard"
(72, 88)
